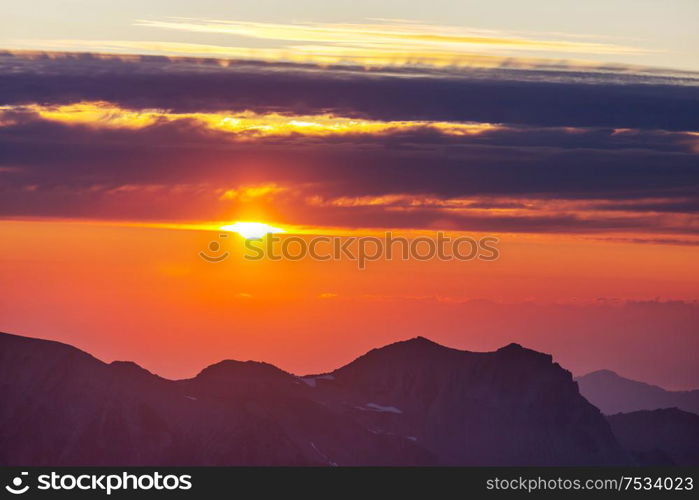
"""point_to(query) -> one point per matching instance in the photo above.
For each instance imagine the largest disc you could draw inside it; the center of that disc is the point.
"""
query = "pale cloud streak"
(392, 36)
(384, 56)
(375, 43)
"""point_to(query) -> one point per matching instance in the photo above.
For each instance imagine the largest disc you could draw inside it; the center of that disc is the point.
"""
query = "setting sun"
(249, 230)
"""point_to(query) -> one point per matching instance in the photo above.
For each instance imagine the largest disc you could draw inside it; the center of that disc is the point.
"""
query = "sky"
(635, 32)
(132, 132)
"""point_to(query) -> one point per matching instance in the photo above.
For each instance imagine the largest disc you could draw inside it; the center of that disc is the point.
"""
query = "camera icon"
(16, 487)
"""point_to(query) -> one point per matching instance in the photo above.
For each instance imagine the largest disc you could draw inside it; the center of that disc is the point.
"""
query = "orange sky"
(117, 171)
(143, 294)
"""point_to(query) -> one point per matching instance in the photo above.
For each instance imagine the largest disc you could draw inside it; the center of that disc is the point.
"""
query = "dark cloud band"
(624, 170)
(617, 101)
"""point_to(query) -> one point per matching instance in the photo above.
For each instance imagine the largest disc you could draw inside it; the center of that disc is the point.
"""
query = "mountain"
(409, 403)
(61, 406)
(659, 437)
(612, 394)
(509, 407)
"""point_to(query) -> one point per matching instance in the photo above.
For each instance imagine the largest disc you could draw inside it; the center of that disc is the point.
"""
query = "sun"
(252, 230)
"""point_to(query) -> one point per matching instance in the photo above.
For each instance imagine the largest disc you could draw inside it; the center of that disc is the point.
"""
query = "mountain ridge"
(667, 436)
(413, 402)
(612, 394)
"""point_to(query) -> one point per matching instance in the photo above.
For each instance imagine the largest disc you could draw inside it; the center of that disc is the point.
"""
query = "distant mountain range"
(659, 437)
(612, 393)
(409, 403)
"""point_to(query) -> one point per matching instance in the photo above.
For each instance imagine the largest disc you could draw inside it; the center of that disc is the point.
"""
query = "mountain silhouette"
(612, 394)
(659, 437)
(409, 403)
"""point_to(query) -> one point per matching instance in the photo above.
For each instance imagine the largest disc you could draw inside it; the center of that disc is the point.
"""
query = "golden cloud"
(243, 125)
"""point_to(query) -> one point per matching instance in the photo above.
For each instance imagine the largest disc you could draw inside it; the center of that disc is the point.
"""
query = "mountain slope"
(612, 394)
(659, 437)
(509, 407)
(61, 406)
(410, 403)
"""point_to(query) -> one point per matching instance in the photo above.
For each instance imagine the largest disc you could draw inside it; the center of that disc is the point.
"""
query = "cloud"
(239, 126)
(182, 169)
(391, 35)
(155, 139)
(375, 43)
(506, 96)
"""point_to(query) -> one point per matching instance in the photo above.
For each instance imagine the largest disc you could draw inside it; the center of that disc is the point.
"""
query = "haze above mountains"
(410, 403)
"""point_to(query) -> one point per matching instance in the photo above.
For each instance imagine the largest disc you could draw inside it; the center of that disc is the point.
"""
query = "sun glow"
(249, 230)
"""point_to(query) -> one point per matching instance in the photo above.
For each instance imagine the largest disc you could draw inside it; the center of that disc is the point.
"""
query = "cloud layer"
(500, 150)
